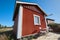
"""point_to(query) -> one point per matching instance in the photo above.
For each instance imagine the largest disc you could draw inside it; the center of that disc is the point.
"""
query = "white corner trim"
(19, 29)
(39, 19)
(46, 24)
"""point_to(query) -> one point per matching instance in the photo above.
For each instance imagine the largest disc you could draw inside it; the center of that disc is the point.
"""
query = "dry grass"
(5, 29)
(3, 37)
(6, 34)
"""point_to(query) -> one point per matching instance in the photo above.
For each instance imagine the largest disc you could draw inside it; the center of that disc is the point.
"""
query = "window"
(36, 20)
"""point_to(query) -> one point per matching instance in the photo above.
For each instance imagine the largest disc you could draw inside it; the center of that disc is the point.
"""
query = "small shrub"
(55, 27)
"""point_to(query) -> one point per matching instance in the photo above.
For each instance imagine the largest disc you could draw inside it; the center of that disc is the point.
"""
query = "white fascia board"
(41, 9)
(25, 3)
(19, 29)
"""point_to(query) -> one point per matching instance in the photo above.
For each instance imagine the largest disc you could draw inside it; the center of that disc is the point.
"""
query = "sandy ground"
(49, 36)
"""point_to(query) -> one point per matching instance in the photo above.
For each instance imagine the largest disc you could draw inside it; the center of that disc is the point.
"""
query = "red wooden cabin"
(28, 19)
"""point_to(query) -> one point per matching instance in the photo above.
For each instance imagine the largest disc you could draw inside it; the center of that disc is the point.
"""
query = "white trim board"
(39, 19)
(19, 29)
(46, 24)
(25, 3)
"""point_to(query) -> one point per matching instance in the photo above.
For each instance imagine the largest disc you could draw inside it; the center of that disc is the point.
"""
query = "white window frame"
(39, 20)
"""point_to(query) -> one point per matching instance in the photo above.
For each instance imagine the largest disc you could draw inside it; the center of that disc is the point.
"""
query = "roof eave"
(18, 2)
(26, 3)
(32, 4)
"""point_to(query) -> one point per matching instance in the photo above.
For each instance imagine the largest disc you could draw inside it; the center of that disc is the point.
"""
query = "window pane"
(36, 19)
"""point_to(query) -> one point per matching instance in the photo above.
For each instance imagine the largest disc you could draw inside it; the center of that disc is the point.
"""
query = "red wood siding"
(32, 8)
(28, 22)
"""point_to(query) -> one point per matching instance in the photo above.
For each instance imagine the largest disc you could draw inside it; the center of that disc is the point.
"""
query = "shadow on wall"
(59, 38)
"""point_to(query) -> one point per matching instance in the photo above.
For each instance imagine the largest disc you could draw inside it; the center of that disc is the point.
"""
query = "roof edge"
(26, 3)
(32, 4)
(18, 2)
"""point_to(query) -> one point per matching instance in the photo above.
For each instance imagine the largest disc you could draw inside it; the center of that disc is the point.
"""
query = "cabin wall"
(15, 25)
(28, 22)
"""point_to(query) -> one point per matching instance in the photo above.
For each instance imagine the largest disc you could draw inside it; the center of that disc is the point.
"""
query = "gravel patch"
(49, 36)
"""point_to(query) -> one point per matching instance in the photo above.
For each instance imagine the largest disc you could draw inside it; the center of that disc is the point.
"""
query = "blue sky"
(49, 6)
